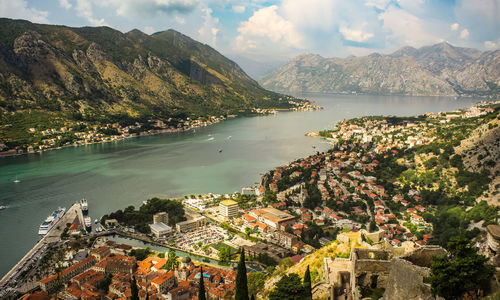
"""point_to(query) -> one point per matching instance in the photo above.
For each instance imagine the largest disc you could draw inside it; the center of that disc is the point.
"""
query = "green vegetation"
(241, 288)
(140, 254)
(224, 253)
(463, 271)
(201, 286)
(289, 287)
(307, 284)
(139, 219)
(255, 282)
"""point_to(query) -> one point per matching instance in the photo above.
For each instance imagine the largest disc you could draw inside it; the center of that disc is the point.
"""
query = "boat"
(229, 137)
(211, 138)
(16, 180)
(2, 207)
(220, 150)
(96, 221)
(88, 223)
(84, 205)
(51, 220)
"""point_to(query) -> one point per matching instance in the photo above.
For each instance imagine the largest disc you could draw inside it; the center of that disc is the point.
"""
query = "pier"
(9, 282)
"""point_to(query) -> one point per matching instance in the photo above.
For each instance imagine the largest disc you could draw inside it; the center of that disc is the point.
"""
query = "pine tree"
(241, 279)
(201, 286)
(307, 284)
(134, 290)
(252, 298)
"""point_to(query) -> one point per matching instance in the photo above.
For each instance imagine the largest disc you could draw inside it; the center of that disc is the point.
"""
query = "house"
(416, 219)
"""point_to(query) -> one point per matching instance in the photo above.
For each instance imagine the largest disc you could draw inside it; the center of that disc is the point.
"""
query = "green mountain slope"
(99, 75)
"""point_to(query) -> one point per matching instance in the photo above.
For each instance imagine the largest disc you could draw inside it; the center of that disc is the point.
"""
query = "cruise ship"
(84, 205)
(51, 220)
(88, 223)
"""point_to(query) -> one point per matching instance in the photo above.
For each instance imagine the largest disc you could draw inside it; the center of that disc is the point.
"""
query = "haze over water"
(112, 176)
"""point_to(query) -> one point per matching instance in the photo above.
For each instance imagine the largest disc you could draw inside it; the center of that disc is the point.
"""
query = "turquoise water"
(114, 175)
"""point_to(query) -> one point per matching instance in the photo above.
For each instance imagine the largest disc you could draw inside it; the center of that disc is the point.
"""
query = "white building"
(160, 229)
(228, 208)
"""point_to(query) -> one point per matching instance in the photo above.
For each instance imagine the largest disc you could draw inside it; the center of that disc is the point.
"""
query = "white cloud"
(454, 27)
(208, 31)
(239, 9)
(380, 4)
(65, 4)
(490, 45)
(18, 9)
(355, 35)
(265, 26)
(84, 10)
(135, 8)
(407, 29)
(149, 30)
(464, 34)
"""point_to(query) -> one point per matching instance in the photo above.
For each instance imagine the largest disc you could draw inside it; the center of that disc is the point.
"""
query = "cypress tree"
(307, 284)
(134, 290)
(241, 279)
(201, 286)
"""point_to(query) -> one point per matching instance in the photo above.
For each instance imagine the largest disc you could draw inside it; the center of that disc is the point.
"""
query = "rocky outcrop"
(440, 69)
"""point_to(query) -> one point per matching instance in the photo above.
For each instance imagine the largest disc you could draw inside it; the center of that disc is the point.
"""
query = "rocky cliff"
(441, 69)
(98, 74)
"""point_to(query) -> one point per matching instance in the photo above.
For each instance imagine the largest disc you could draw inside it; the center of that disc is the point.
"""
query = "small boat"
(84, 206)
(220, 150)
(16, 180)
(2, 207)
(229, 137)
(96, 221)
(88, 223)
(211, 138)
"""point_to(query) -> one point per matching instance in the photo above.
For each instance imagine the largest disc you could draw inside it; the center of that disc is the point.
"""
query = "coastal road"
(54, 235)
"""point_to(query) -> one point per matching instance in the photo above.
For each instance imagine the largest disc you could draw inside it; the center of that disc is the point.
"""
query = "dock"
(53, 236)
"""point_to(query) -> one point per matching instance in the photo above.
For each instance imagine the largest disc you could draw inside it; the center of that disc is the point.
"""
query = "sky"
(267, 31)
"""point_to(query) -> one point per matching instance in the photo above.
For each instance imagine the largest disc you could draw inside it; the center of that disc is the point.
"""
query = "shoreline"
(163, 131)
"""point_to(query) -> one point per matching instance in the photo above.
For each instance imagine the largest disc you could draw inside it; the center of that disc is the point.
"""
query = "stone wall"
(406, 281)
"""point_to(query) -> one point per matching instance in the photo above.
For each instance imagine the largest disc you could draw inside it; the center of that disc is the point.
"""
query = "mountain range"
(440, 70)
(98, 74)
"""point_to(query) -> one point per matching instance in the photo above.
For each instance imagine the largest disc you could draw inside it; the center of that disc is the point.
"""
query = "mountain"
(100, 75)
(254, 68)
(440, 69)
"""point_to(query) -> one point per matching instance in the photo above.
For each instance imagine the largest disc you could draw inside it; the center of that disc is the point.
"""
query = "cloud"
(208, 31)
(464, 34)
(149, 30)
(141, 8)
(265, 26)
(84, 9)
(18, 9)
(454, 27)
(490, 45)
(405, 28)
(239, 9)
(65, 4)
(355, 35)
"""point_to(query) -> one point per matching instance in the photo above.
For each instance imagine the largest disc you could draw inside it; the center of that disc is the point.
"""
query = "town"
(377, 187)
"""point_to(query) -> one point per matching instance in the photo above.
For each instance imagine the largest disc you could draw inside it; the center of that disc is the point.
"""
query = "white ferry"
(51, 220)
(84, 205)
(88, 223)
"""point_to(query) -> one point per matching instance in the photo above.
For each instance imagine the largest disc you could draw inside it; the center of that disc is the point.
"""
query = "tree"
(134, 290)
(307, 284)
(241, 279)
(255, 282)
(201, 286)
(225, 253)
(462, 271)
(171, 260)
(288, 287)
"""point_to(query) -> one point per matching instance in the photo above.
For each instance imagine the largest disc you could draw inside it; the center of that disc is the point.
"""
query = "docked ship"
(51, 220)
(84, 205)
(88, 223)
